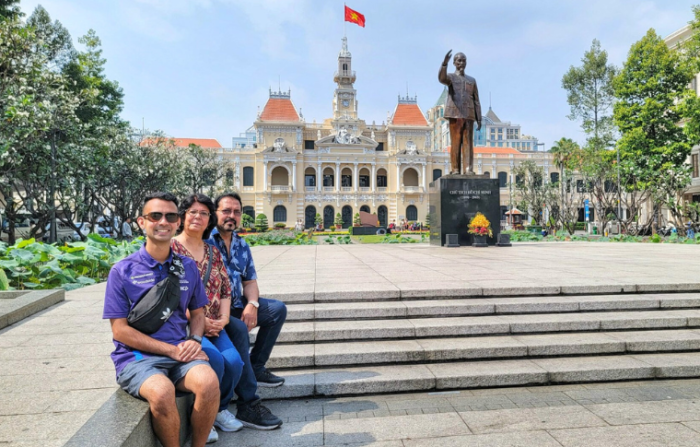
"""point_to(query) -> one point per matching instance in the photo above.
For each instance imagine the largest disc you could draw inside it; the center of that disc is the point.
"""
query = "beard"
(228, 225)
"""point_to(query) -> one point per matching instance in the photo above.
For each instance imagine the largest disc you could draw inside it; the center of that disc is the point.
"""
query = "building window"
(250, 211)
(279, 214)
(694, 159)
(309, 145)
(380, 147)
(310, 180)
(554, 177)
(364, 181)
(437, 173)
(411, 213)
(248, 176)
(381, 181)
(328, 180)
(502, 179)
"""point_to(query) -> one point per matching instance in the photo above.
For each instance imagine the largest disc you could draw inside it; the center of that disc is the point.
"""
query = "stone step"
(431, 350)
(489, 306)
(328, 331)
(482, 374)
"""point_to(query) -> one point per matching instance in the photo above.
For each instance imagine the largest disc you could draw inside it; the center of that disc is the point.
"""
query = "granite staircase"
(351, 345)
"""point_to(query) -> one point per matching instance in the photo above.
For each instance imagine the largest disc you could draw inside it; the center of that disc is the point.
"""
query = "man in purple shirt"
(152, 367)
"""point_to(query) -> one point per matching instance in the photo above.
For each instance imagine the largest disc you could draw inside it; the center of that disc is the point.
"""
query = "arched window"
(309, 177)
(364, 178)
(280, 176)
(437, 173)
(328, 216)
(279, 214)
(502, 179)
(381, 178)
(248, 176)
(382, 216)
(410, 177)
(554, 177)
(487, 174)
(346, 177)
(364, 208)
(310, 216)
(346, 215)
(249, 210)
(411, 213)
(345, 67)
(328, 178)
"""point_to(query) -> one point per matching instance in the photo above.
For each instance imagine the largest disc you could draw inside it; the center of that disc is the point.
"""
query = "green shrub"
(34, 265)
(356, 219)
(261, 223)
(280, 238)
(247, 221)
(280, 226)
(338, 219)
(318, 219)
(655, 238)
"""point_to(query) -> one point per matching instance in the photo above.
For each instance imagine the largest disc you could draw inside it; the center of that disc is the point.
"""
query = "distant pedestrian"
(127, 234)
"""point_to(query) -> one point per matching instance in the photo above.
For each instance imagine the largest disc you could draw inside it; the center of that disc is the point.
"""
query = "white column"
(424, 184)
(319, 178)
(337, 177)
(398, 177)
(294, 176)
(264, 176)
(355, 178)
(373, 180)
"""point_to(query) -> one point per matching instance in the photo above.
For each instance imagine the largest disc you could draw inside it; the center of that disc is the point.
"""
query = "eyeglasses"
(202, 214)
(157, 216)
(228, 212)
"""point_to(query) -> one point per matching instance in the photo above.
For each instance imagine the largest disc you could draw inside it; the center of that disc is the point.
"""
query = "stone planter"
(480, 241)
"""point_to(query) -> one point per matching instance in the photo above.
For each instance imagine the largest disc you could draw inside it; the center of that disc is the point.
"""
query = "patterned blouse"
(219, 286)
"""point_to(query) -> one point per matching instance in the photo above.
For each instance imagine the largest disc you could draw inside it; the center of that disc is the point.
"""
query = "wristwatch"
(255, 304)
(196, 338)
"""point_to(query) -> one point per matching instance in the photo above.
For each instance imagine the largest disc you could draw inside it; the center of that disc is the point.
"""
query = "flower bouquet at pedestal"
(480, 227)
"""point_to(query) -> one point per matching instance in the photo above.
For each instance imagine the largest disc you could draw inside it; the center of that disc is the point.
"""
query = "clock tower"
(345, 99)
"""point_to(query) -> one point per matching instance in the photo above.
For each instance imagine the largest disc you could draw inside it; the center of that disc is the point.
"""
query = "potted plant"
(338, 221)
(480, 227)
(356, 220)
(318, 221)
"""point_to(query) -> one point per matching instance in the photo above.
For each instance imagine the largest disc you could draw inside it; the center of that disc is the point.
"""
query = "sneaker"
(254, 415)
(213, 436)
(227, 422)
(268, 380)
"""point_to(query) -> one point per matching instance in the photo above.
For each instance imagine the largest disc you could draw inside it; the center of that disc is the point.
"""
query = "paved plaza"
(55, 370)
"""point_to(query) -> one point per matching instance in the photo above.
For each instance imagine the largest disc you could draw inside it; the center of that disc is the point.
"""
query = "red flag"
(354, 17)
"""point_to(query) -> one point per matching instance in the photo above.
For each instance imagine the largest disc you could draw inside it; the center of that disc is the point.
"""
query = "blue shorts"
(137, 372)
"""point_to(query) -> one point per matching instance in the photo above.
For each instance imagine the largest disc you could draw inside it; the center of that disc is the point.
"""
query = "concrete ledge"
(124, 421)
(18, 305)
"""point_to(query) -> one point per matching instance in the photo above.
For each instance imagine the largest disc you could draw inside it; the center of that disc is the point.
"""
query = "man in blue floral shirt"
(248, 309)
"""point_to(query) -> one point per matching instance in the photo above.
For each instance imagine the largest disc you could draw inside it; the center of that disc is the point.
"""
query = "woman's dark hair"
(204, 200)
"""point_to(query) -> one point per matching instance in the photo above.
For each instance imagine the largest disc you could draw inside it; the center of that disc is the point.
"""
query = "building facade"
(674, 41)
(290, 169)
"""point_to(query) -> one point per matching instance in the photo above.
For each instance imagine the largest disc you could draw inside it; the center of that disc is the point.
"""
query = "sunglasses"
(157, 216)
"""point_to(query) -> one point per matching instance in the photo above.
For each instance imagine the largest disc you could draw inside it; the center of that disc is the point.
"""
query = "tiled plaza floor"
(55, 370)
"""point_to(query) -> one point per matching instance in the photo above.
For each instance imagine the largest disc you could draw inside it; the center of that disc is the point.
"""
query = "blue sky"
(201, 68)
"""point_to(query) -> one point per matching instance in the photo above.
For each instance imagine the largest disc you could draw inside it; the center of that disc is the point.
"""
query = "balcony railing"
(280, 187)
(328, 188)
(411, 188)
(365, 189)
(310, 188)
(346, 188)
(381, 189)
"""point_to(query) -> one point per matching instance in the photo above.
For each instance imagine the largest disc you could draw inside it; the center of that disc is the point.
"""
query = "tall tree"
(567, 155)
(9, 9)
(52, 39)
(590, 95)
(653, 94)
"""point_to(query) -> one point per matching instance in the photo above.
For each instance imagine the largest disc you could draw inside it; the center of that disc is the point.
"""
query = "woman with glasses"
(198, 218)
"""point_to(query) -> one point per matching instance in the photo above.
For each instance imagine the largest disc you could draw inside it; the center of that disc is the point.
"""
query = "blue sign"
(587, 210)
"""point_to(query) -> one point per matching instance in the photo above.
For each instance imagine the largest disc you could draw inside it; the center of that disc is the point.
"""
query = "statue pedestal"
(455, 200)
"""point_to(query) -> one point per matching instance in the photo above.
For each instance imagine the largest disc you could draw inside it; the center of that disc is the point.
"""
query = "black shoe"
(254, 415)
(268, 380)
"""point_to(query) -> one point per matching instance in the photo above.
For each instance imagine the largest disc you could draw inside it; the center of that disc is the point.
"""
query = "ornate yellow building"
(290, 169)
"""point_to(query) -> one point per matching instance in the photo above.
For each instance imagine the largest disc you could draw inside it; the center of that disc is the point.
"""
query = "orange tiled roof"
(408, 115)
(208, 143)
(278, 109)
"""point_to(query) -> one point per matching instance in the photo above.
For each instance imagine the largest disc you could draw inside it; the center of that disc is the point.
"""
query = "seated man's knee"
(203, 381)
(159, 392)
(279, 311)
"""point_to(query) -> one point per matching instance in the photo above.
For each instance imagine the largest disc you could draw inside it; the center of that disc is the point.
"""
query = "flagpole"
(345, 25)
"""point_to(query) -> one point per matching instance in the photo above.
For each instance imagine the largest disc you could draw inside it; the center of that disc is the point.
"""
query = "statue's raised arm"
(442, 74)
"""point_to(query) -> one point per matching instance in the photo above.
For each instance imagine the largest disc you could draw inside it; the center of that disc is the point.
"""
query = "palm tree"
(566, 153)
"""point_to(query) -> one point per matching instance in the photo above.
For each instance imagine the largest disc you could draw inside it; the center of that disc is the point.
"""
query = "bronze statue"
(462, 109)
